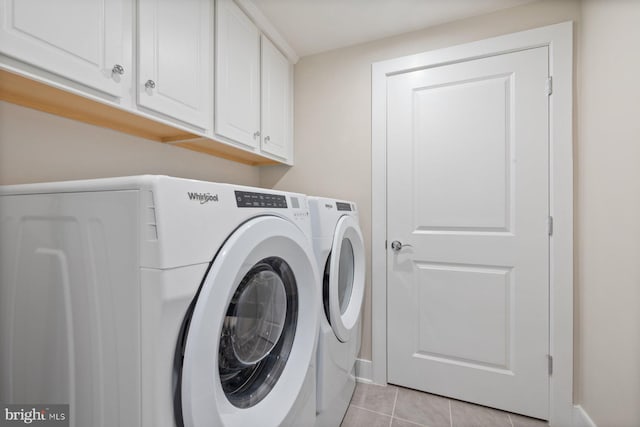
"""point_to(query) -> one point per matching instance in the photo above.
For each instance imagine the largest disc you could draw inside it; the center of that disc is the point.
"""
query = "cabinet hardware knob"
(267, 139)
(117, 69)
(150, 84)
(256, 134)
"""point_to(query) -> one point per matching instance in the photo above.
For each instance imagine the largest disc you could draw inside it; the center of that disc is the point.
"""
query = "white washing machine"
(339, 249)
(155, 301)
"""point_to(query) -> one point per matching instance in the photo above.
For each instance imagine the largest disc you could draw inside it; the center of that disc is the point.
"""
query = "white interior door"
(468, 170)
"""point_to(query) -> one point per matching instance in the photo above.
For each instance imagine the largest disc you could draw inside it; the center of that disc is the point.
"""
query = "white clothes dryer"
(159, 302)
(339, 249)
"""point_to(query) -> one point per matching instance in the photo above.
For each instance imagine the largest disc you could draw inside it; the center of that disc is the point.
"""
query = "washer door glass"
(258, 332)
(346, 269)
(345, 274)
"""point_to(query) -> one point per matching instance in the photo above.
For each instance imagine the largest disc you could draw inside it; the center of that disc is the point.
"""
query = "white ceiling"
(313, 26)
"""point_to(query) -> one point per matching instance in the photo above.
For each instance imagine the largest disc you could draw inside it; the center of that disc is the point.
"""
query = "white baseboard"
(581, 418)
(364, 371)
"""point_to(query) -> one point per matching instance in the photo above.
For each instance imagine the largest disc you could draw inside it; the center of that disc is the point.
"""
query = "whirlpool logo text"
(203, 197)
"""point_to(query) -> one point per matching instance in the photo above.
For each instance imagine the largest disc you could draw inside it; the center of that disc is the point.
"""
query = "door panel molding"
(559, 39)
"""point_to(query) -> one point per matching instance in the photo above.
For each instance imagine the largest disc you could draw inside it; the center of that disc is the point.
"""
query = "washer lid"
(345, 278)
(252, 332)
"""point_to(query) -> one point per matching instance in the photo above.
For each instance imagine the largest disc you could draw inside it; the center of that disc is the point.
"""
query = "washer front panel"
(265, 257)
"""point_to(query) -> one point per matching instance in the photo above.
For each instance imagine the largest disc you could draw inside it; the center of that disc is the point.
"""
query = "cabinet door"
(276, 102)
(174, 56)
(237, 92)
(84, 41)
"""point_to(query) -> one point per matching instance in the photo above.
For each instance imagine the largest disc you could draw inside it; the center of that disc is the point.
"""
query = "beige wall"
(36, 146)
(608, 214)
(333, 109)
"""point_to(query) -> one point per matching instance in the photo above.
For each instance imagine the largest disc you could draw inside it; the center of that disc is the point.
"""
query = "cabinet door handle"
(117, 69)
(150, 84)
(267, 139)
(256, 134)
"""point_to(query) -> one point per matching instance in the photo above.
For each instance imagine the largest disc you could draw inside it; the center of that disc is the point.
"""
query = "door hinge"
(550, 226)
(550, 359)
(549, 85)
(385, 244)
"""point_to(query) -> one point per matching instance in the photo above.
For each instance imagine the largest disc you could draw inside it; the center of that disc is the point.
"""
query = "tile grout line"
(510, 420)
(450, 415)
(409, 421)
(387, 415)
(393, 411)
(369, 410)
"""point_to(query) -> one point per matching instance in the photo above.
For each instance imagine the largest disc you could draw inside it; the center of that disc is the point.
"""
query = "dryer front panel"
(251, 337)
(344, 278)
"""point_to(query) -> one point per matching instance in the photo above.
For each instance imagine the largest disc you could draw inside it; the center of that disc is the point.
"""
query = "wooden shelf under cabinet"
(30, 93)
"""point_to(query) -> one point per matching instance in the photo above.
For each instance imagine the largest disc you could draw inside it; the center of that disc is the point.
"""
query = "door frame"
(559, 39)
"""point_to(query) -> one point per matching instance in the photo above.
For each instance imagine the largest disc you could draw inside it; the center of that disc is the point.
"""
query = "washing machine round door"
(252, 333)
(344, 278)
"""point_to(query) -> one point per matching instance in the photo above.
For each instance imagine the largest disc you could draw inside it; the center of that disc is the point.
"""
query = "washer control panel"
(249, 199)
(341, 206)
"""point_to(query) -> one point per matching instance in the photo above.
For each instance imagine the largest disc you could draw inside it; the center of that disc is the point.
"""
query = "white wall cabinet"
(253, 85)
(146, 67)
(237, 89)
(276, 101)
(174, 59)
(44, 33)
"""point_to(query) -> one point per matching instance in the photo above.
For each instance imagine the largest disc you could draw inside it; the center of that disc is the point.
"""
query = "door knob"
(397, 245)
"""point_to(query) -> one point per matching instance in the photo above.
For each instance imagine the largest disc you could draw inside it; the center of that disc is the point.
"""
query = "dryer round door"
(344, 278)
(252, 333)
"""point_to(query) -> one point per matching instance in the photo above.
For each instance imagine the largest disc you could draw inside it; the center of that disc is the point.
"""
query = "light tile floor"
(392, 406)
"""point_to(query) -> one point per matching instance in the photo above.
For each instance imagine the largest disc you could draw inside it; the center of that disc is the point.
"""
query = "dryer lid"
(252, 333)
